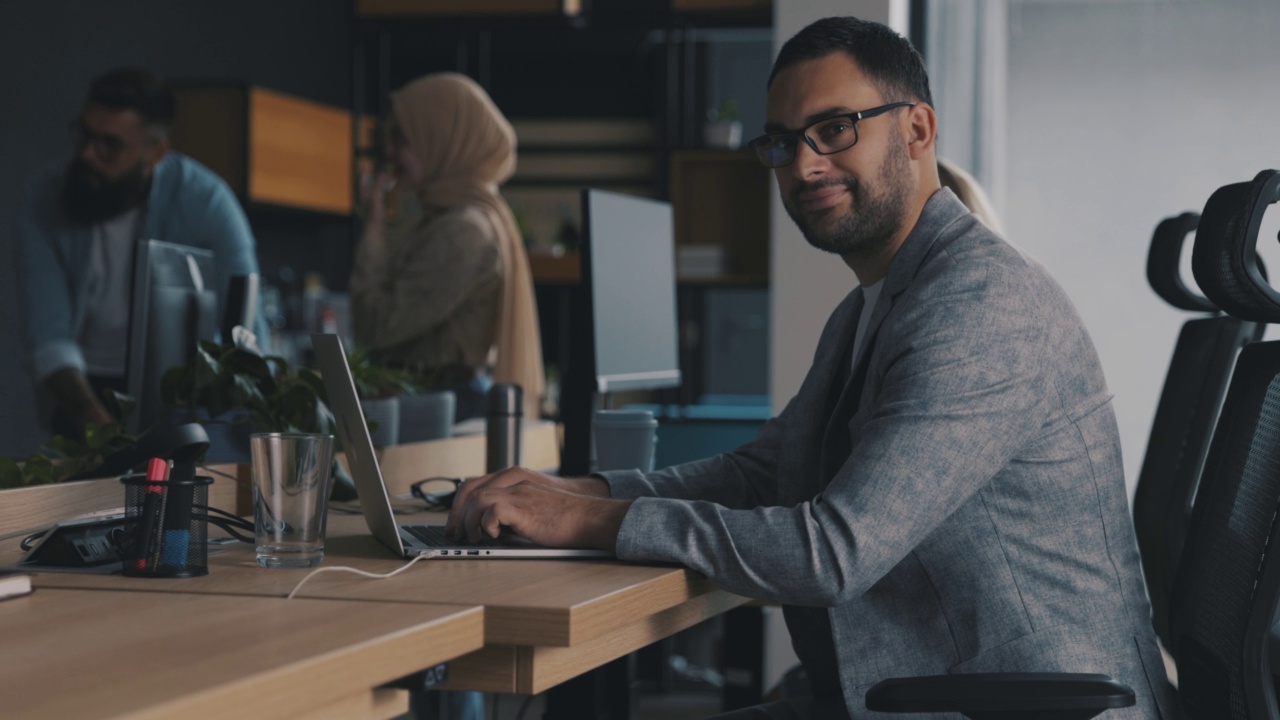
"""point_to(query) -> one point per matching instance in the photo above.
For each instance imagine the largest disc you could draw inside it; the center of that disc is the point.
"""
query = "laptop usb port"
(473, 552)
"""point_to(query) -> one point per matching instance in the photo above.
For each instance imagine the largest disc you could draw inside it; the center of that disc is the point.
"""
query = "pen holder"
(165, 528)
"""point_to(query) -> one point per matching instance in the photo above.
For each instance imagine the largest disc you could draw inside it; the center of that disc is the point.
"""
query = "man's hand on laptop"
(550, 511)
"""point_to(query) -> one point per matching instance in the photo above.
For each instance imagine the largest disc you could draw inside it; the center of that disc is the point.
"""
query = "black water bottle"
(502, 427)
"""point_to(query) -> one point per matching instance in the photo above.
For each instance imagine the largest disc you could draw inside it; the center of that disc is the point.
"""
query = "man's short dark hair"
(886, 57)
(135, 89)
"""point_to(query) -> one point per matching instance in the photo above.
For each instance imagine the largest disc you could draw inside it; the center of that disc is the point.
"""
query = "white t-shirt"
(870, 293)
(104, 336)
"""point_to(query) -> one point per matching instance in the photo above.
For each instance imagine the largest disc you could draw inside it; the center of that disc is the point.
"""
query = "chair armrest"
(991, 696)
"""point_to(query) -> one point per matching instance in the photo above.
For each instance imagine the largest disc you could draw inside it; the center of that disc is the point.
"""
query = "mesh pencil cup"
(165, 532)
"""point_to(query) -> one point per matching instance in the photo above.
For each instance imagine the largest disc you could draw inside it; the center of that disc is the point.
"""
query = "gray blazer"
(980, 520)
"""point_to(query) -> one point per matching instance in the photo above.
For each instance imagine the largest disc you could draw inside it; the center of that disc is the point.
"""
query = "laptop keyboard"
(433, 536)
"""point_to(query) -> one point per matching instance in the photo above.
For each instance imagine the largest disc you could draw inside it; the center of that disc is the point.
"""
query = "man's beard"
(87, 202)
(872, 220)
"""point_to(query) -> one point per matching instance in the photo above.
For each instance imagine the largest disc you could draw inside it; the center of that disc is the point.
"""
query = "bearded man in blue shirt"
(80, 223)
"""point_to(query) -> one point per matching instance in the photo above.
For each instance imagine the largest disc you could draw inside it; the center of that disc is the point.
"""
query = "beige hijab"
(467, 149)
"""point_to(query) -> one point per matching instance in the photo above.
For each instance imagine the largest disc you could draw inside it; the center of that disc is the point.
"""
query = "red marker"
(152, 507)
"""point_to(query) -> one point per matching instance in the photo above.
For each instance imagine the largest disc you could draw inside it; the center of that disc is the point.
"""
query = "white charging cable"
(362, 573)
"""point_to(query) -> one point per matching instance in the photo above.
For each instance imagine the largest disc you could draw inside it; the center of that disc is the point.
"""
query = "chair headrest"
(1225, 260)
(1164, 270)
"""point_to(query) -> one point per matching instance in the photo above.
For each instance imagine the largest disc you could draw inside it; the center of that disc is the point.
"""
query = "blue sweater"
(188, 205)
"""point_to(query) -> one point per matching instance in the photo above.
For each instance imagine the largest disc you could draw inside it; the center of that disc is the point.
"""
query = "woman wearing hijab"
(450, 295)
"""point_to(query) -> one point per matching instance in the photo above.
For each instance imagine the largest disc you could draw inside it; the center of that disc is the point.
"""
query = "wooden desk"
(83, 654)
(545, 620)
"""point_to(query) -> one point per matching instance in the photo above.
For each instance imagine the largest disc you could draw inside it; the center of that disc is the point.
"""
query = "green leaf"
(324, 422)
(38, 470)
(62, 446)
(176, 386)
(96, 437)
(10, 474)
(120, 404)
(218, 397)
(344, 488)
(246, 393)
(247, 363)
(315, 382)
(206, 369)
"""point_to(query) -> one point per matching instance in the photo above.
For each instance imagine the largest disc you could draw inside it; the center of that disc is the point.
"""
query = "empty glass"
(291, 475)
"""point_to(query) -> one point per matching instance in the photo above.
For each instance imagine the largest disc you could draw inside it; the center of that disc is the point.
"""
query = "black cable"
(233, 519)
(29, 541)
(228, 528)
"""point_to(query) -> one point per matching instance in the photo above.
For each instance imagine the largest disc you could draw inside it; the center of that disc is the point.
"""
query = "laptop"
(405, 540)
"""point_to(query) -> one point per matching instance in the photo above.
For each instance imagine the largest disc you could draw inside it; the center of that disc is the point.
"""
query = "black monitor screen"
(173, 308)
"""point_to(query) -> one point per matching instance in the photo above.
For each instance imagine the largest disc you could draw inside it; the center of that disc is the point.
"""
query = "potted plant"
(380, 388)
(64, 458)
(427, 414)
(234, 390)
(723, 128)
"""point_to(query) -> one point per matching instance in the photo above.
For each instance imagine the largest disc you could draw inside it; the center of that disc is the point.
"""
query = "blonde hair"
(966, 187)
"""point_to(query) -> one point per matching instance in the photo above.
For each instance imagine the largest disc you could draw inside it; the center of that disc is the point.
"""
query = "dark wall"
(49, 50)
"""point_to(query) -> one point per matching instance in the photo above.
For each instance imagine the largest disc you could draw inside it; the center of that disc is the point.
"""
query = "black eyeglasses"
(831, 135)
(107, 147)
(436, 492)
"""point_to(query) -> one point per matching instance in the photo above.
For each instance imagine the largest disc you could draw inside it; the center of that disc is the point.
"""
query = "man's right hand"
(588, 486)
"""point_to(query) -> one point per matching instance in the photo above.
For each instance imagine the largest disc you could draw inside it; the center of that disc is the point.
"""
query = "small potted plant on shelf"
(723, 128)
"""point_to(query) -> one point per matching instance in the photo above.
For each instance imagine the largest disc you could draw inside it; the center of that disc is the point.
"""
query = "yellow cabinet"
(270, 147)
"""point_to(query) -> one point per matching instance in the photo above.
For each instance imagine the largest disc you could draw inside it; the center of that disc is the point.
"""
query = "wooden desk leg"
(601, 693)
(743, 653)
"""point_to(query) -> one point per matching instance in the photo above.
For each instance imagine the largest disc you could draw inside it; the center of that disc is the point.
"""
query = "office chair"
(1194, 388)
(1228, 582)
(1227, 586)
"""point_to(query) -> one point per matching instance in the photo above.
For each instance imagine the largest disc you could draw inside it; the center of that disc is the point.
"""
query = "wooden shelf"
(721, 198)
(720, 5)
(270, 147)
(555, 269)
(465, 8)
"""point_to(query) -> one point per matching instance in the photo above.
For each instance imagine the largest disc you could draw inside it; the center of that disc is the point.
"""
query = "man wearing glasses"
(78, 226)
(945, 493)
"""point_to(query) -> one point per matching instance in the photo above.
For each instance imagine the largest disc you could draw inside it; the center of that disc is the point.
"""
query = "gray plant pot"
(427, 416)
(385, 412)
(726, 134)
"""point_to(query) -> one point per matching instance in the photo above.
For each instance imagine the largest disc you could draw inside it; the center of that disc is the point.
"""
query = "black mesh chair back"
(1194, 388)
(1228, 582)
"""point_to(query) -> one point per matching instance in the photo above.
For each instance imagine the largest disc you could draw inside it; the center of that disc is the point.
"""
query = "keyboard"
(433, 536)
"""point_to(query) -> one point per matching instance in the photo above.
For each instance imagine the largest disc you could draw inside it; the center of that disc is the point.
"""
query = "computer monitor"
(173, 308)
(625, 335)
